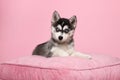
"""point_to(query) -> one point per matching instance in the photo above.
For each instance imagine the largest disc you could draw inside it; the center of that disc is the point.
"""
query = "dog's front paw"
(88, 56)
(82, 55)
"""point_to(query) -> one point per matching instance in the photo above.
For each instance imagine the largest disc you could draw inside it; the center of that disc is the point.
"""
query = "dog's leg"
(82, 55)
(57, 52)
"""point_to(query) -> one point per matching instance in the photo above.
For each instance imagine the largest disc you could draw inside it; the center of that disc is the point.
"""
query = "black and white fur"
(61, 42)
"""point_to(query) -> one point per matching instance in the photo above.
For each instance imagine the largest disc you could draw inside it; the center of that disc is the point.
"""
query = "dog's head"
(62, 28)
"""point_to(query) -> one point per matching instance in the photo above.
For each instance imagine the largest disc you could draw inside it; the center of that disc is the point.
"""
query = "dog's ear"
(73, 21)
(55, 17)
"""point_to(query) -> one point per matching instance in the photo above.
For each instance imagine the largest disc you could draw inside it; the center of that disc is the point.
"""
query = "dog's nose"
(60, 37)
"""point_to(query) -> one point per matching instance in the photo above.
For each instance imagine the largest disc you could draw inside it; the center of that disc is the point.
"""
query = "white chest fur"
(62, 50)
(64, 47)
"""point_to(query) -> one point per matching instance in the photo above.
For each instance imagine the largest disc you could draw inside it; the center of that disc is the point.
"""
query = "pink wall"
(25, 23)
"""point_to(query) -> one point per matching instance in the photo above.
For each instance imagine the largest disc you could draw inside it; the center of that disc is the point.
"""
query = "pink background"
(26, 23)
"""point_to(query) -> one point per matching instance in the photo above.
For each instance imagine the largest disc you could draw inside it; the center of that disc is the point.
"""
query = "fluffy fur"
(61, 42)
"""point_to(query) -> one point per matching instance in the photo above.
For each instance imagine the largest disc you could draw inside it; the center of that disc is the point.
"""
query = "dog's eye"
(66, 30)
(57, 29)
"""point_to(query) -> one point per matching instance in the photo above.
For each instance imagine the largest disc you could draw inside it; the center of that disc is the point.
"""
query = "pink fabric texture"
(100, 67)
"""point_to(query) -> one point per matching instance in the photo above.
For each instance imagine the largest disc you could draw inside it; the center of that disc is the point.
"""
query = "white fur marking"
(60, 27)
(65, 27)
(58, 52)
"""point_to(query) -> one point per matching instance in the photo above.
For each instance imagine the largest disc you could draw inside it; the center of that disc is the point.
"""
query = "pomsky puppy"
(61, 42)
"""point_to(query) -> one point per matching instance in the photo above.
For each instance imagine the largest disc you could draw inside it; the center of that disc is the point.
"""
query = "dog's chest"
(62, 50)
(64, 47)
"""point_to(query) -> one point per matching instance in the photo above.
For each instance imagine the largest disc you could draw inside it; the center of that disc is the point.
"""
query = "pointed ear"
(73, 21)
(55, 17)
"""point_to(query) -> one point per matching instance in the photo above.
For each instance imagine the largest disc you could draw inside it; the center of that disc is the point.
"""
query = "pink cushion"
(61, 68)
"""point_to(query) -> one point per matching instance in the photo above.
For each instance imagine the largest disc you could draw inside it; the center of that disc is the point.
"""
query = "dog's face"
(62, 28)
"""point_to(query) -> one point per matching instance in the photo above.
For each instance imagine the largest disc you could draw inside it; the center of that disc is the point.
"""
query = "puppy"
(61, 42)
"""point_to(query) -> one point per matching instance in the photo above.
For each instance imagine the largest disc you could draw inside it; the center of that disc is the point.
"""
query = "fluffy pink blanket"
(61, 68)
